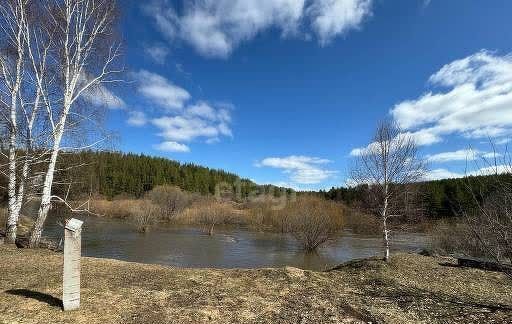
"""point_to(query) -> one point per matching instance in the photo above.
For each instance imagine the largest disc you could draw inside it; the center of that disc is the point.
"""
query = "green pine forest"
(439, 198)
(113, 174)
(116, 174)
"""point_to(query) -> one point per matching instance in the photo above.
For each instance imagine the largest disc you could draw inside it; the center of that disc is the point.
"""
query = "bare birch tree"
(87, 57)
(386, 166)
(11, 64)
(490, 221)
(28, 39)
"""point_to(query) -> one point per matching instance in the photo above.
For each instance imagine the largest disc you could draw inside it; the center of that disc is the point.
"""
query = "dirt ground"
(409, 289)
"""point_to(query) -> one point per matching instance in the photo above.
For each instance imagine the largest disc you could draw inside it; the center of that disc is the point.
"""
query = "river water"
(190, 247)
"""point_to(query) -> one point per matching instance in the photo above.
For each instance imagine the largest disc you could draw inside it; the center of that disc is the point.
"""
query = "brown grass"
(408, 289)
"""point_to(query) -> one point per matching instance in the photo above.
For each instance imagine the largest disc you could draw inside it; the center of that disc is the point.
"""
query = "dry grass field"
(409, 289)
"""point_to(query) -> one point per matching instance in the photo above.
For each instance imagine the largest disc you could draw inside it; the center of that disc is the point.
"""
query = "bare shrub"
(117, 208)
(453, 237)
(211, 213)
(264, 215)
(313, 221)
(359, 222)
(171, 200)
(145, 216)
(491, 225)
(490, 221)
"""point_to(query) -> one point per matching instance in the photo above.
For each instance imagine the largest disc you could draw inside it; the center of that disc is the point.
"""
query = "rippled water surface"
(228, 248)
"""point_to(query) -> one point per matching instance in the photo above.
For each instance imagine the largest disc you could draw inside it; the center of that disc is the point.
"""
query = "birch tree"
(11, 66)
(28, 39)
(387, 166)
(87, 56)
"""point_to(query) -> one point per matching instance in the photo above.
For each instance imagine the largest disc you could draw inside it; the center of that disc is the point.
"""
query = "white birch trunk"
(46, 197)
(386, 239)
(385, 231)
(12, 218)
(27, 162)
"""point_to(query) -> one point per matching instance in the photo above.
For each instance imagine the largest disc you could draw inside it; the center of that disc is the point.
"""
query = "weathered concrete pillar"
(71, 276)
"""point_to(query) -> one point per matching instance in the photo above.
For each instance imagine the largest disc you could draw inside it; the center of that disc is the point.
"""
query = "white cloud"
(301, 169)
(170, 146)
(459, 155)
(438, 174)
(476, 101)
(503, 141)
(177, 119)
(158, 53)
(101, 96)
(196, 121)
(216, 27)
(161, 91)
(331, 18)
(401, 140)
(137, 118)
(462, 155)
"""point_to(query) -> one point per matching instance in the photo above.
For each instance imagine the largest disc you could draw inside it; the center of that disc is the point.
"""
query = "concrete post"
(71, 275)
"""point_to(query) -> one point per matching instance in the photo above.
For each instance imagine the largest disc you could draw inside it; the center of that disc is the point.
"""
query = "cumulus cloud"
(161, 91)
(170, 146)
(471, 97)
(459, 155)
(331, 18)
(101, 96)
(462, 155)
(194, 124)
(158, 53)
(301, 169)
(438, 174)
(137, 118)
(177, 117)
(216, 27)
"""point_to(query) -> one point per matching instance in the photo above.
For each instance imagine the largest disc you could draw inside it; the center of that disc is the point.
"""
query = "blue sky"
(285, 92)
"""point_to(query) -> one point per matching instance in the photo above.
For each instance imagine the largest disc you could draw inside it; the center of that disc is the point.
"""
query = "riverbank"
(410, 289)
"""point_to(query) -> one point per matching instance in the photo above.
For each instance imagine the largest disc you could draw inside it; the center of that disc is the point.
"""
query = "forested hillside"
(439, 198)
(113, 173)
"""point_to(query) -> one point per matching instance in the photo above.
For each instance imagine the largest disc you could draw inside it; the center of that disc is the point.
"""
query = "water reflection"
(227, 248)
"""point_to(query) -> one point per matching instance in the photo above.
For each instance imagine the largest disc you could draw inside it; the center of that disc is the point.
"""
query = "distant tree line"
(112, 174)
(438, 199)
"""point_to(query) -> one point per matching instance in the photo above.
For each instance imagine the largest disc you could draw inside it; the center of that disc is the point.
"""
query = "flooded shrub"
(265, 216)
(171, 200)
(313, 221)
(361, 223)
(211, 213)
(145, 215)
(117, 208)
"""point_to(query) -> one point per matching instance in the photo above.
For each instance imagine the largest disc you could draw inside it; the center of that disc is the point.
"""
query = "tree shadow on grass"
(42, 297)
